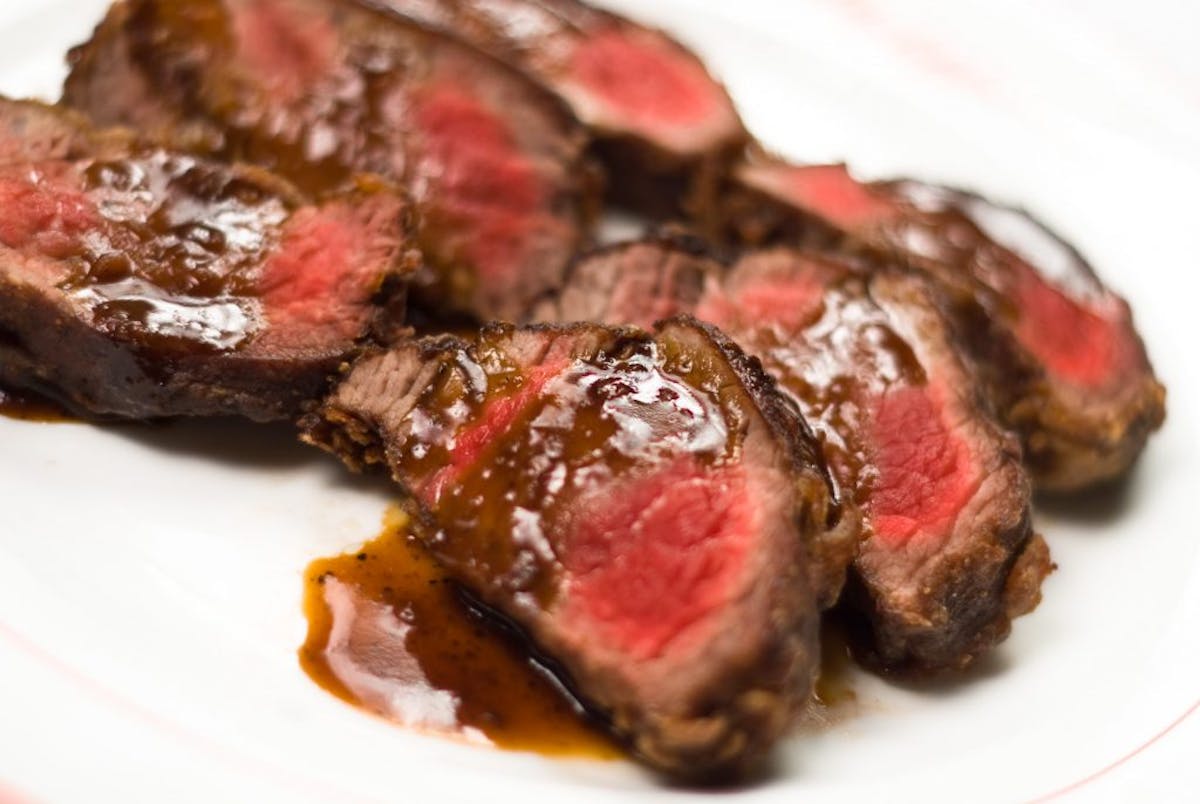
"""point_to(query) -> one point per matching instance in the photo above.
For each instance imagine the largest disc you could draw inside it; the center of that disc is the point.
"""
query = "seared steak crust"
(946, 555)
(641, 506)
(141, 282)
(666, 130)
(319, 90)
(1058, 350)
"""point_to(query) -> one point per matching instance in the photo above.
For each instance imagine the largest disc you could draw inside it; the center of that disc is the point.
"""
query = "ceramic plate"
(150, 577)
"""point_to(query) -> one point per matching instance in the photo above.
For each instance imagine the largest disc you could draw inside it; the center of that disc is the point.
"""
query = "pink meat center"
(498, 417)
(926, 474)
(1076, 344)
(316, 286)
(288, 50)
(644, 79)
(650, 560)
(44, 209)
(789, 302)
(483, 185)
(835, 194)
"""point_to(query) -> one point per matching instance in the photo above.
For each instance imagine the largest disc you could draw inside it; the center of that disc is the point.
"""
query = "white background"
(150, 577)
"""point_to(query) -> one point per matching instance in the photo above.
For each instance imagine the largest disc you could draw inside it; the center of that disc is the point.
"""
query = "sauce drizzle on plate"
(388, 632)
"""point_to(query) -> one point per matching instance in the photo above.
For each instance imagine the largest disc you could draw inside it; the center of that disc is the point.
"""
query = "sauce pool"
(835, 685)
(388, 632)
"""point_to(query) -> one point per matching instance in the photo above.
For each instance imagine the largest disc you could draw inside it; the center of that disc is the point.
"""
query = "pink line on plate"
(1118, 762)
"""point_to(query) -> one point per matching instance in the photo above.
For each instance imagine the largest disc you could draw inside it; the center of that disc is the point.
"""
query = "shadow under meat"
(769, 770)
(993, 664)
(1094, 506)
(220, 440)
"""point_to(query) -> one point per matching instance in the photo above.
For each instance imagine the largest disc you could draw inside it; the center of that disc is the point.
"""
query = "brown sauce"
(28, 406)
(835, 686)
(833, 373)
(388, 632)
(177, 257)
(569, 427)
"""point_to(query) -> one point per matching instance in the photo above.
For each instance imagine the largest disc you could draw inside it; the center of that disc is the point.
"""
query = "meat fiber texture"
(640, 506)
(946, 557)
(663, 126)
(318, 90)
(1065, 365)
(141, 282)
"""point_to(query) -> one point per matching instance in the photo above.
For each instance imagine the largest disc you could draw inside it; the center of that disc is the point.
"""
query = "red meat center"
(287, 49)
(1073, 342)
(925, 470)
(316, 285)
(649, 560)
(482, 183)
(45, 209)
(789, 302)
(645, 79)
(836, 194)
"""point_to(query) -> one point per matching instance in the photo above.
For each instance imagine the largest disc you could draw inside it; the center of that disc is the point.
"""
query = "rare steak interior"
(947, 557)
(1065, 367)
(319, 90)
(660, 121)
(643, 506)
(142, 282)
(661, 463)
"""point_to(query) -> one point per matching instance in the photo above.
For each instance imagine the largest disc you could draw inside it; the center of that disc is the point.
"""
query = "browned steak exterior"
(664, 127)
(139, 282)
(319, 90)
(1066, 368)
(641, 506)
(946, 556)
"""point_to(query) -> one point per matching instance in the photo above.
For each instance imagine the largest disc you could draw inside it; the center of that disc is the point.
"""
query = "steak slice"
(640, 506)
(320, 90)
(33, 132)
(664, 127)
(139, 282)
(1066, 367)
(946, 557)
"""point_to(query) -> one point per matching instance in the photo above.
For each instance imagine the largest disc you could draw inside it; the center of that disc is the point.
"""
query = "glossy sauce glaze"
(495, 448)
(174, 260)
(833, 349)
(390, 633)
(1056, 261)
(1024, 277)
(319, 92)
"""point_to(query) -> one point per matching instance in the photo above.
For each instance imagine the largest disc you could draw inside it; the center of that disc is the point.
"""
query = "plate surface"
(150, 577)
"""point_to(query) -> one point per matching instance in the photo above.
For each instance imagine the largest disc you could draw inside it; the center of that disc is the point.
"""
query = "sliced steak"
(639, 505)
(1065, 365)
(140, 282)
(947, 557)
(32, 132)
(666, 129)
(319, 90)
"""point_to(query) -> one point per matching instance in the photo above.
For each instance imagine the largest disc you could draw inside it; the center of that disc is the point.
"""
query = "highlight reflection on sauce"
(388, 632)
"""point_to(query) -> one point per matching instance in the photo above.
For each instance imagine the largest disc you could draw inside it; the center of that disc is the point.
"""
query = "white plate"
(150, 578)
